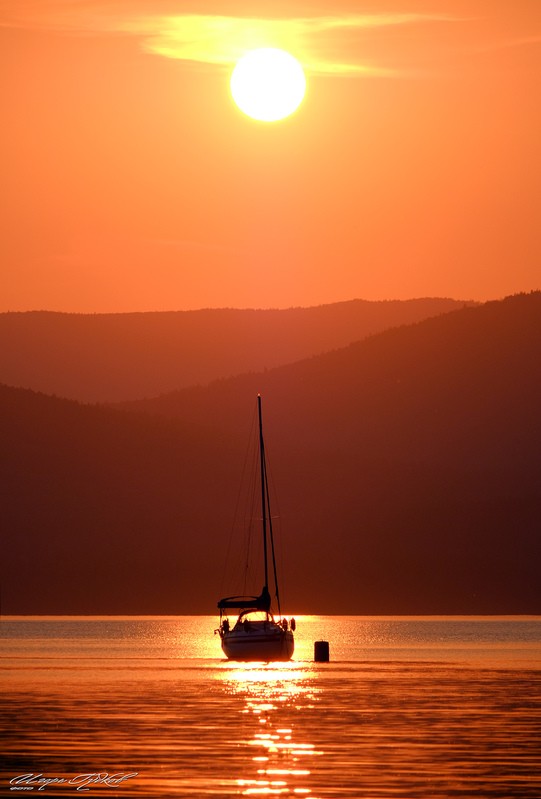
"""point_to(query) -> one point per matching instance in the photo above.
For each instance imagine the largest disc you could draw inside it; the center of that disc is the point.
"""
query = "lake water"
(148, 707)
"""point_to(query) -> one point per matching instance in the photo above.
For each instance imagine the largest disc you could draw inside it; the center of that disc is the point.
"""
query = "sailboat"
(257, 634)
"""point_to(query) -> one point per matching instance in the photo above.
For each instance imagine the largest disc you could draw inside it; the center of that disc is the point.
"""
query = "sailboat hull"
(258, 641)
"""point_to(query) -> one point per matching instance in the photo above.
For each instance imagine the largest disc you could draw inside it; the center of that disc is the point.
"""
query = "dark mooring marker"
(321, 651)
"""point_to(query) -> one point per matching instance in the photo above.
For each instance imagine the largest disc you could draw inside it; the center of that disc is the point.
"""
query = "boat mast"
(263, 491)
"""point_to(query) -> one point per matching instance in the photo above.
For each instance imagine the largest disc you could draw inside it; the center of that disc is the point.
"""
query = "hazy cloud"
(222, 40)
(218, 39)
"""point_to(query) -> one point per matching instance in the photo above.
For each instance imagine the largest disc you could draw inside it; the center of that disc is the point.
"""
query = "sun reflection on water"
(277, 756)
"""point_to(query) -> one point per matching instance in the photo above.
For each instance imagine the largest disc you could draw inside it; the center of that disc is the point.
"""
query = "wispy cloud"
(220, 40)
(503, 44)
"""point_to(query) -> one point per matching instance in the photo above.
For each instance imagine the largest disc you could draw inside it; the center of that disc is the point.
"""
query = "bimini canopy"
(261, 602)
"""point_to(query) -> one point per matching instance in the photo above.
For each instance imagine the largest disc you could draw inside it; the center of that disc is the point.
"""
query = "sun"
(268, 84)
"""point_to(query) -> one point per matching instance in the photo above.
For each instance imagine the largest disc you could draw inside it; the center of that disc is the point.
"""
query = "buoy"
(321, 651)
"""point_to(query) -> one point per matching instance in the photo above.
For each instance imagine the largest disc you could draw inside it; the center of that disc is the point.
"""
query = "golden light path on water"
(405, 708)
(281, 761)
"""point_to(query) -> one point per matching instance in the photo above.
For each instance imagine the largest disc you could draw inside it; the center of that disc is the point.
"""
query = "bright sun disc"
(268, 84)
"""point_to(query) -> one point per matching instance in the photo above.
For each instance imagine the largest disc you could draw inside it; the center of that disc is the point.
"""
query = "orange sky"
(130, 181)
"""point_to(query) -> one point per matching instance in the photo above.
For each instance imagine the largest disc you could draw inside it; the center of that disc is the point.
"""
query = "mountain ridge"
(120, 357)
(408, 484)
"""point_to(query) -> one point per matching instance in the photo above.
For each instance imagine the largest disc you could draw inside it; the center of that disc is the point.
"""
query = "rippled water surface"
(148, 707)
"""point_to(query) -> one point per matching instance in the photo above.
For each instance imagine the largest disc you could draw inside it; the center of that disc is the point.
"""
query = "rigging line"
(270, 482)
(249, 518)
(272, 546)
(234, 523)
(278, 516)
(263, 482)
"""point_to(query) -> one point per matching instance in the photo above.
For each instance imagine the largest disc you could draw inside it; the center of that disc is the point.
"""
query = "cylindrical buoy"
(321, 651)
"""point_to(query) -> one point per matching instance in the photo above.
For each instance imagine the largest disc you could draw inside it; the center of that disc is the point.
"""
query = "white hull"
(262, 641)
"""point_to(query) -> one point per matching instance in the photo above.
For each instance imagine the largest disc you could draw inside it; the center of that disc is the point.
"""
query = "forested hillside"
(108, 357)
(406, 468)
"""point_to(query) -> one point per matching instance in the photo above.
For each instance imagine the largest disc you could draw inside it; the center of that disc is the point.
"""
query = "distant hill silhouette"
(111, 357)
(406, 468)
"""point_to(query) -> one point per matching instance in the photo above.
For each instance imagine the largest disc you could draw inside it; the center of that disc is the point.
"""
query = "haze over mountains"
(111, 357)
(406, 468)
